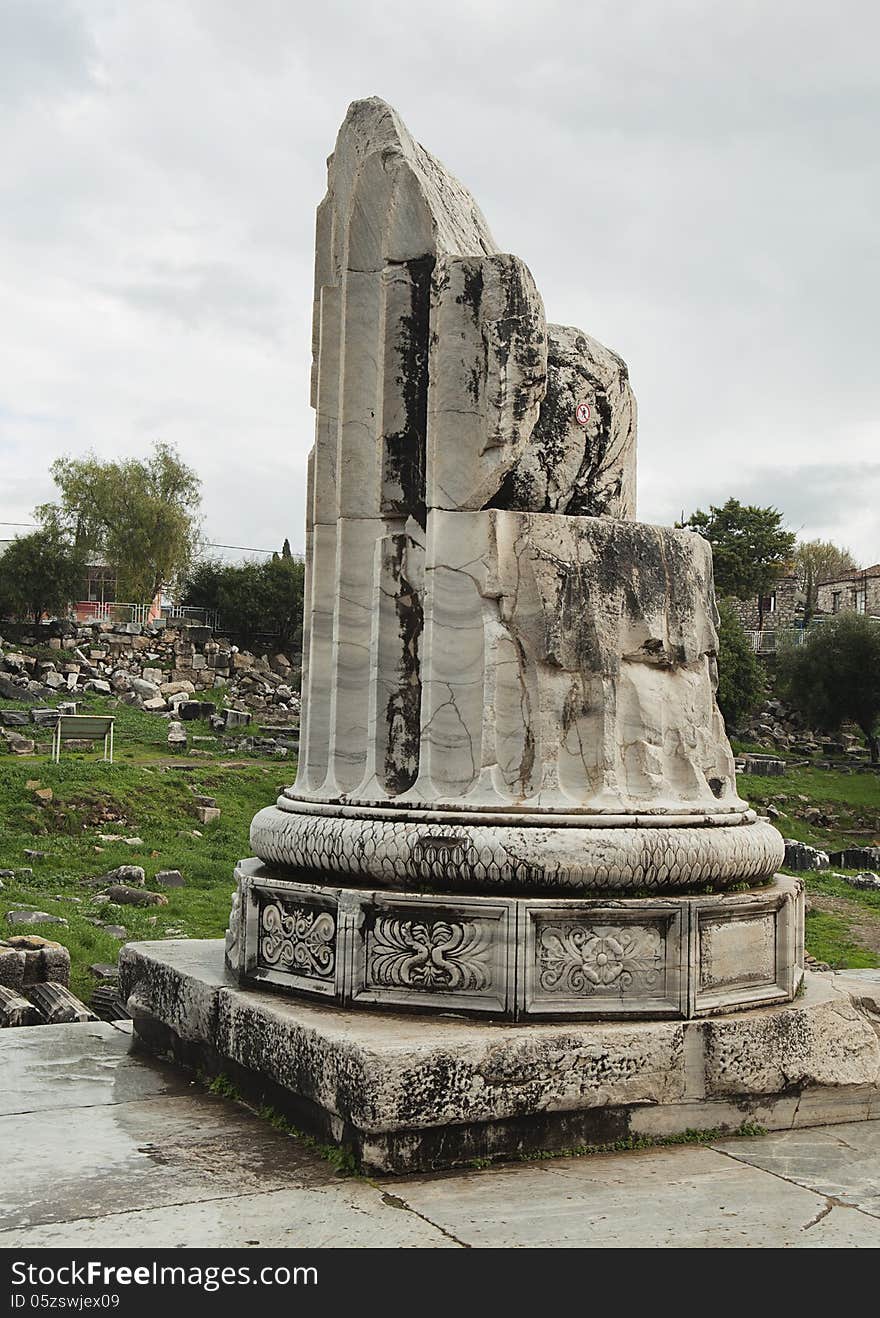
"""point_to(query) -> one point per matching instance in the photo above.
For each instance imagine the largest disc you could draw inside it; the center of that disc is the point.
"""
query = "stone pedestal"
(413, 1093)
(518, 958)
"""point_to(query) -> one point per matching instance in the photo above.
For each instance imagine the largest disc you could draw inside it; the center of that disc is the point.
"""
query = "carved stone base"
(486, 851)
(408, 1093)
(518, 957)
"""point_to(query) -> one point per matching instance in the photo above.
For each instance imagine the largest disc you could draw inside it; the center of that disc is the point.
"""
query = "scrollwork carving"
(297, 939)
(435, 955)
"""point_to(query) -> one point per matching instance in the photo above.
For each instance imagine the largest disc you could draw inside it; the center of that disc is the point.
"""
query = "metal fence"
(123, 611)
(771, 642)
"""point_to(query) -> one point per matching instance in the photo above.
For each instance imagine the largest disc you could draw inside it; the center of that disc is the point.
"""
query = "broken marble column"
(514, 786)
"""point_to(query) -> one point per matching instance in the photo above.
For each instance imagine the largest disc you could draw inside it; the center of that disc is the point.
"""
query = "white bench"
(84, 727)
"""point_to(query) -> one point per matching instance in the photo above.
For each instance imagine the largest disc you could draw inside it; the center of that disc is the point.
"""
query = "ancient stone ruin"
(513, 900)
(509, 708)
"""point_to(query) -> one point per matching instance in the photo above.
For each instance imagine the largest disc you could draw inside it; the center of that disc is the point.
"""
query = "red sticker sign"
(582, 414)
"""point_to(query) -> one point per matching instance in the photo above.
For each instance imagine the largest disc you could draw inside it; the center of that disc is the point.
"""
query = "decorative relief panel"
(297, 939)
(517, 958)
(603, 961)
(580, 959)
(436, 954)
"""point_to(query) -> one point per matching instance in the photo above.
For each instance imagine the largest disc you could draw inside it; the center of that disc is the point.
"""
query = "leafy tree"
(819, 560)
(140, 516)
(252, 597)
(740, 678)
(41, 573)
(835, 677)
(750, 548)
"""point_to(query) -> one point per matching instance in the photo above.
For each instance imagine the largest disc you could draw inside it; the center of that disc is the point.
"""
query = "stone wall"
(847, 591)
(786, 610)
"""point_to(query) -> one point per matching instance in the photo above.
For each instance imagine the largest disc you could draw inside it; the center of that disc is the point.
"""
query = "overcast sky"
(695, 184)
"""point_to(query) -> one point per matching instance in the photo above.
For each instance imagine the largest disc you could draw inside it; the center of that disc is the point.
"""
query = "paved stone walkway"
(115, 1149)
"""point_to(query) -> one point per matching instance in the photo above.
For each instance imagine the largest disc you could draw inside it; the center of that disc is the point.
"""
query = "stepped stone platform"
(407, 1093)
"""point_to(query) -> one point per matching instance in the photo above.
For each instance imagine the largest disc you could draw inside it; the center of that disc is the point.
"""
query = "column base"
(406, 1094)
(518, 958)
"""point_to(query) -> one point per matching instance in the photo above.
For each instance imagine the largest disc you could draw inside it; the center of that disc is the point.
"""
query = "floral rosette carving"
(579, 959)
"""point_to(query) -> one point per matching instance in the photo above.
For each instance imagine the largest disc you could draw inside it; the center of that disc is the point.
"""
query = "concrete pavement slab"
(840, 1162)
(75, 1066)
(678, 1197)
(351, 1214)
(141, 1155)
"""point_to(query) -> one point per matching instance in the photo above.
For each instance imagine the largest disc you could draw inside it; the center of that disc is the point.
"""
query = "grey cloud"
(207, 293)
(47, 51)
(696, 185)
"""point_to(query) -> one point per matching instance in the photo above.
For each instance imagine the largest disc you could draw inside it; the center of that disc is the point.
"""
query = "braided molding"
(443, 857)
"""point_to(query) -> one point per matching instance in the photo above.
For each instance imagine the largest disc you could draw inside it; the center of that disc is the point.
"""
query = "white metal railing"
(122, 611)
(112, 611)
(208, 617)
(771, 641)
(768, 642)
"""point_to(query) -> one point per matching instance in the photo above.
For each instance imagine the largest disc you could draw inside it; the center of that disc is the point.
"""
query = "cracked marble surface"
(136, 1156)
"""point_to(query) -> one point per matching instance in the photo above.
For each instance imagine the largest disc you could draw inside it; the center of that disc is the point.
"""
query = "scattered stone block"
(169, 879)
(107, 1004)
(122, 895)
(177, 689)
(33, 917)
(15, 1009)
(44, 960)
(176, 736)
(195, 709)
(12, 962)
(156, 704)
(133, 841)
(799, 856)
(114, 930)
(13, 718)
(133, 875)
(44, 718)
(235, 718)
(99, 686)
(868, 880)
(104, 970)
(766, 766)
(20, 745)
(855, 857)
(35, 855)
(206, 814)
(147, 690)
(58, 1006)
(199, 798)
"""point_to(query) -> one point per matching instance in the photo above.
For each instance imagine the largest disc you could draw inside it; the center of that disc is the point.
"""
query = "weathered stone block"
(408, 1094)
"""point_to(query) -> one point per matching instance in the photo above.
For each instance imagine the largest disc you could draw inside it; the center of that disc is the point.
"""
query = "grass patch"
(145, 795)
(829, 938)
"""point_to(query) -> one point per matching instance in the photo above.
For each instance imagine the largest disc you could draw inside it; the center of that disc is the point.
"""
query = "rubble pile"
(183, 672)
(776, 726)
